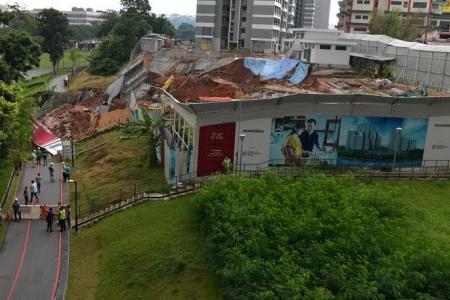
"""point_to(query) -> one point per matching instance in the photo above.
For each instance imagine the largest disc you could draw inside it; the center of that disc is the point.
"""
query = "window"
(365, 17)
(358, 17)
(419, 5)
(243, 30)
(207, 31)
(325, 47)
(341, 48)
(363, 2)
(396, 2)
(359, 29)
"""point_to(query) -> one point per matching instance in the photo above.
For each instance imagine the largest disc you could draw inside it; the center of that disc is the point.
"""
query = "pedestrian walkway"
(31, 258)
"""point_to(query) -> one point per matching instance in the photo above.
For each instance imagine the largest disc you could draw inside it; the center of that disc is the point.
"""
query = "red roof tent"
(215, 99)
(42, 137)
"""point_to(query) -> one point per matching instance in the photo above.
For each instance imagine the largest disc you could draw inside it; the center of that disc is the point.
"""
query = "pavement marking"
(24, 252)
(58, 266)
(22, 258)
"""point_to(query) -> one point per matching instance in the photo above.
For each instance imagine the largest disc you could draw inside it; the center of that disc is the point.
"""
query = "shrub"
(317, 238)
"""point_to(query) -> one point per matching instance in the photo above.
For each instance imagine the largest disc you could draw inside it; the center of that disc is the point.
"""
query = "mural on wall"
(348, 140)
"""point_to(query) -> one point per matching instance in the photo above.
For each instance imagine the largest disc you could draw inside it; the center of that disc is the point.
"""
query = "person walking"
(51, 170)
(38, 156)
(16, 208)
(64, 171)
(49, 219)
(68, 214)
(68, 171)
(62, 219)
(33, 158)
(25, 195)
(44, 157)
(34, 191)
(38, 182)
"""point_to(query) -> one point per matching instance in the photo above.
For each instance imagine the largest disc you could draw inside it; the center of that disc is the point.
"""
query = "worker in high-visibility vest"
(62, 219)
(227, 165)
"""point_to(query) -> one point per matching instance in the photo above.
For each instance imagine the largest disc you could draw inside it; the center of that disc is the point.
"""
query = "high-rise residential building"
(260, 25)
(364, 138)
(432, 15)
(312, 14)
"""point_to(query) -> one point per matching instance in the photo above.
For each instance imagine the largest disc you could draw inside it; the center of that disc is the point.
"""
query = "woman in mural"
(292, 146)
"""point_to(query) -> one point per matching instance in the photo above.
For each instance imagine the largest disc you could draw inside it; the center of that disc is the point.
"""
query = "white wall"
(256, 144)
(437, 146)
(332, 56)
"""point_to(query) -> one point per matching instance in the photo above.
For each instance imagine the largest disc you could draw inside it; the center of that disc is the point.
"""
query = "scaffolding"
(415, 63)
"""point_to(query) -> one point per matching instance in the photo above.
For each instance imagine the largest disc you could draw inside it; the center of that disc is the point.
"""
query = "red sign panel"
(215, 143)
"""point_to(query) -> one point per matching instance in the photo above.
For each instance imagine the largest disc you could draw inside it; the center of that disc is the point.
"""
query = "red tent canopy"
(42, 137)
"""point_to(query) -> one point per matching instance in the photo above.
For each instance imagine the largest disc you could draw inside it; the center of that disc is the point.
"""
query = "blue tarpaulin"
(270, 69)
(300, 73)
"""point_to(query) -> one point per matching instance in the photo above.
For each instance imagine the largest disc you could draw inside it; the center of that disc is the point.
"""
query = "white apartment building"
(255, 25)
(433, 15)
(312, 14)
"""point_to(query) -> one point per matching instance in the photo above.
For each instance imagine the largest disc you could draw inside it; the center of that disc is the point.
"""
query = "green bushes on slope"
(319, 238)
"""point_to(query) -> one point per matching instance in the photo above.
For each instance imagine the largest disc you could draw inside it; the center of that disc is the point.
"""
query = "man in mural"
(309, 138)
(292, 146)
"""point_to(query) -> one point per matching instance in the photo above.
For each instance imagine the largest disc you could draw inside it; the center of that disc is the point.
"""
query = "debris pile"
(82, 119)
(199, 77)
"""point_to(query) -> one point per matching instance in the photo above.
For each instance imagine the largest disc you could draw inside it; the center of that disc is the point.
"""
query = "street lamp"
(398, 131)
(76, 203)
(241, 137)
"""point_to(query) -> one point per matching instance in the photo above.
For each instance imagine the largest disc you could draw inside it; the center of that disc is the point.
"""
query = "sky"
(182, 7)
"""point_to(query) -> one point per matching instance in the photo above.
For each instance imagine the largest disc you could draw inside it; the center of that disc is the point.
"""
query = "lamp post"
(76, 203)
(241, 137)
(398, 131)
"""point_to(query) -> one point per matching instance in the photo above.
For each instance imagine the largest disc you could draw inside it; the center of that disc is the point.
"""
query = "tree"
(114, 51)
(54, 28)
(393, 25)
(136, 6)
(162, 25)
(185, 32)
(104, 28)
(24, 21)
(19, 53)
(82, 32)
(15, 127)
(74, 56)
(150, 127)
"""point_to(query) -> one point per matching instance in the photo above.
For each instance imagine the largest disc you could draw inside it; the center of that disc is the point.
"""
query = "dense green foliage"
(393, 25)
(54, 29)
(15, 127)
(185, 32)
(82, 32)
(122, 33)
(19, 53)
(319, 238)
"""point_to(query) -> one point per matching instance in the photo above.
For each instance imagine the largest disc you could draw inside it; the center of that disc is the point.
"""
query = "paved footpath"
(31, 258)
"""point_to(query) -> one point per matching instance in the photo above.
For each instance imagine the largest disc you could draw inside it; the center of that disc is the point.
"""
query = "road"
(31, 258)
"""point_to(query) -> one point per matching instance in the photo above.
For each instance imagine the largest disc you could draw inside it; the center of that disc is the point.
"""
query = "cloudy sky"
(184, 7)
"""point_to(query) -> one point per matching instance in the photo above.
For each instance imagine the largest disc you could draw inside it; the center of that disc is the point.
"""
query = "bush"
(317, 238)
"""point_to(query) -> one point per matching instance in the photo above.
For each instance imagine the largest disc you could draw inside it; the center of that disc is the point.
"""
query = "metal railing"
(178, 185)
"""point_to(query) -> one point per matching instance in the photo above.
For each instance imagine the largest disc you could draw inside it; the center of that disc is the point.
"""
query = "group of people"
(64, 214)
(39, 157)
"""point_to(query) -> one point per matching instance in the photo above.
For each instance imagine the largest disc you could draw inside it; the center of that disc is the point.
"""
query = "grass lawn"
(38, 84)
(112, 171)
(65, 61)
(152, 251)
(156, 250)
